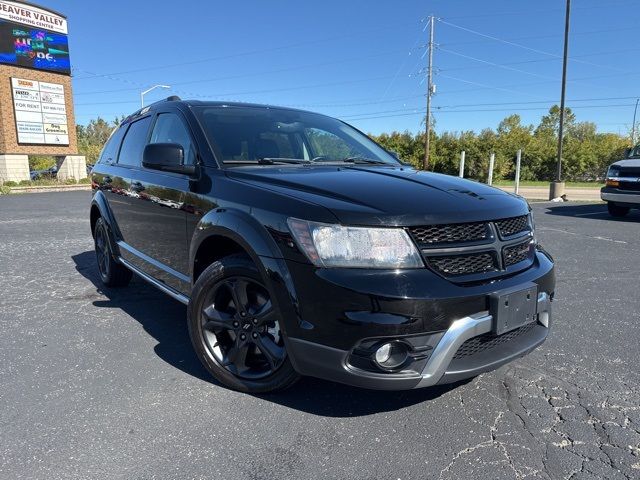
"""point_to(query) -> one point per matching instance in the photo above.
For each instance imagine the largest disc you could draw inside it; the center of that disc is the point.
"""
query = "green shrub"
(70, 181)
(5, 190)
(84, 181)
(10, 183)
(24, 183)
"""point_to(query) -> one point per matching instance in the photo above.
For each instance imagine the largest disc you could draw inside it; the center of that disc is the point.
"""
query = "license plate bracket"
(512, 308)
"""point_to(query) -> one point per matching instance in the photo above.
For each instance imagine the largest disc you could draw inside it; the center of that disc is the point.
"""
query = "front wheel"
(617, 210)
(235, 328)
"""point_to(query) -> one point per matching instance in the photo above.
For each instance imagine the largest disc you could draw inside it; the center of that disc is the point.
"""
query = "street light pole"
(142, 94)
(557, 187)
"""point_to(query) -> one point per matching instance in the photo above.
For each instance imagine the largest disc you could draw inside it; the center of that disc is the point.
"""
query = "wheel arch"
(223, 232)
(238, 231)
(100, 209)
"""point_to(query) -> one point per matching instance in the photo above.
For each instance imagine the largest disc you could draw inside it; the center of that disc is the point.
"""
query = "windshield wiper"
(371, 161)
(274, 160)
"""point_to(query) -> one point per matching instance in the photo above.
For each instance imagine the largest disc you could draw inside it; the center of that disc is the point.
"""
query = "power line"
(252, 74)
(404, 62)
(554, 35)
(498, 65)
(483, 85)
(422, 112)
(514, 44)
(246, 53)
(531, 12)
(300, 87)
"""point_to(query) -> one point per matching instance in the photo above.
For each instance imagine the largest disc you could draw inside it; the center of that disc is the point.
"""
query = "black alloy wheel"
(235, 328)
(102, 252)
(241, 328)
(112, 272)
(617, 210)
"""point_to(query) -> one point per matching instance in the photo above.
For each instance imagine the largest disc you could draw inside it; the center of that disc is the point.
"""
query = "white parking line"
(587, 214)
(580, 234)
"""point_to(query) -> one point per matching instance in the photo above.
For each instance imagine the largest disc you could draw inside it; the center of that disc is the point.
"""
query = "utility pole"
(633, 128)
(430, 90)
(557, 187)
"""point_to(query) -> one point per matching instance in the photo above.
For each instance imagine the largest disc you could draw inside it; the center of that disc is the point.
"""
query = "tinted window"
(247, 134)
(110, 150)
(170, 128)
(134, 142)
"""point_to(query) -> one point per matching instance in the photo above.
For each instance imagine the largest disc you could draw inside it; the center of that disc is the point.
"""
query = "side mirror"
(167, 157)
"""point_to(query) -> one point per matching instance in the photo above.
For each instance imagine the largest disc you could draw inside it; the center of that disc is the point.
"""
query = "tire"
(235, 328)
(616, 210)
(112, 273)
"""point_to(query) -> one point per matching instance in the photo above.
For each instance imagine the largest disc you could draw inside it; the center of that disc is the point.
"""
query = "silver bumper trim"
(620, 197)
(462, 330)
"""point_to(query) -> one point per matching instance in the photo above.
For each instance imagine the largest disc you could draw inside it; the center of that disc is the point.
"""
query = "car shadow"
(164, 319)
(590, 211)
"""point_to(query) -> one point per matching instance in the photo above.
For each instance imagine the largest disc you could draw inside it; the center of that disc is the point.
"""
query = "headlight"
(328, 245)
(532, 223)
(613, 172)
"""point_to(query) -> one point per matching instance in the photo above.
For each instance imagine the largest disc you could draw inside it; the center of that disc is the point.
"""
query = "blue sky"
(361, 61)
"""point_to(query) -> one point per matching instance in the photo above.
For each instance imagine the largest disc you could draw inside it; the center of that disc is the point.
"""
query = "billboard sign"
(33, 16)
(40, 112)
(33, 38)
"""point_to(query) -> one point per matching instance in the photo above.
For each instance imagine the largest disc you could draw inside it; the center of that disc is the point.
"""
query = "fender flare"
(238, 226)
(252, 236)
(100, 202)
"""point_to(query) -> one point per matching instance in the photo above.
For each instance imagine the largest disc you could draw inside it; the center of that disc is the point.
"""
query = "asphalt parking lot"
(98, 383)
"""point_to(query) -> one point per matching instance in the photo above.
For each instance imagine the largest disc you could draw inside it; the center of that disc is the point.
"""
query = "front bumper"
(621, 197)
(430, 313)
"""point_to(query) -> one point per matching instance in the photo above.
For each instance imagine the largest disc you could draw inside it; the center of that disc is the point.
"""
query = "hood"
(631, 162)
(379, 195)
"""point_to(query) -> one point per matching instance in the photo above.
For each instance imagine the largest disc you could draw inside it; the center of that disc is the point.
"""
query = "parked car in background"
(46, 173)
(622, 188)
(302, 247)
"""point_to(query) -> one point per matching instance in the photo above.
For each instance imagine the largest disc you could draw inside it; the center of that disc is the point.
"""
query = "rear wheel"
(112, 273)
(235, 328)
(617, 210)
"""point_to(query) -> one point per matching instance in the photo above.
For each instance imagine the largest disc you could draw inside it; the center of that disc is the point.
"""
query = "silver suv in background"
(622, 189)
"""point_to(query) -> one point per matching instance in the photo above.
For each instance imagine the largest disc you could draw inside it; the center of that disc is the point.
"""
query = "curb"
(50, 188)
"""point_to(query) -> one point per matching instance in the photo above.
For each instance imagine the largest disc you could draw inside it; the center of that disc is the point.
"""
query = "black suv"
(302, 247)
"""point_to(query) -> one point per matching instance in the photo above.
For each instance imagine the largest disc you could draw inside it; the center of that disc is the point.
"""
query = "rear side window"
(170, 128)
(110, 150)
(134, 142)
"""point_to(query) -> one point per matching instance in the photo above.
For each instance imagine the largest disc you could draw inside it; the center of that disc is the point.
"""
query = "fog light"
(391, 355)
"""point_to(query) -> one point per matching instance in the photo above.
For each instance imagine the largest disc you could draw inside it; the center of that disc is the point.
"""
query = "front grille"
(488, 341)
(457, 233)
(516, 253)
(462, 249)
(464, 264)
(629, 172)
(512, 226)
(630, 186)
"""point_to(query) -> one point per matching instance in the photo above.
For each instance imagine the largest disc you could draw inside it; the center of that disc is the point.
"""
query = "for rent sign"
(40, 112)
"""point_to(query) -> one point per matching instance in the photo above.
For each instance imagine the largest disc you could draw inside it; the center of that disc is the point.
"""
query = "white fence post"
(492, 159)
(518, 158)
(461, 174)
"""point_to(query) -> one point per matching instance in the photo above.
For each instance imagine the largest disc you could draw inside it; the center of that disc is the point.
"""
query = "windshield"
(251, 135)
